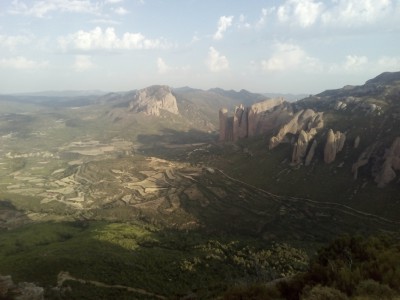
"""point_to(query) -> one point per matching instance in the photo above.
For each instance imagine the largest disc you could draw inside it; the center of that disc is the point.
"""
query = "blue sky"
(293, 46)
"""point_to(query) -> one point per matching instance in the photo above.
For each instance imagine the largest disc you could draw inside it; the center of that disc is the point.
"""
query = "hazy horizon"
(292, 46)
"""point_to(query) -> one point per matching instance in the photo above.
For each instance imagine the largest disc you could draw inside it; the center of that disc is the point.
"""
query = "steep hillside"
(345, 140)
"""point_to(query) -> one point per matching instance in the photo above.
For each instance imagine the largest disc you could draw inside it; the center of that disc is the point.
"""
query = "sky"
(286, 46)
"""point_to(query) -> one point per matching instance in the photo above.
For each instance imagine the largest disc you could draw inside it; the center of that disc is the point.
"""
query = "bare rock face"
(334, 144)
(391, 164)
(363, 159)
(20, 291)
(259, 118)
(223, 119)
(240, 123)
(266, 116)
(153, 99)
(310, 154)
(300, 147)
(302, 120)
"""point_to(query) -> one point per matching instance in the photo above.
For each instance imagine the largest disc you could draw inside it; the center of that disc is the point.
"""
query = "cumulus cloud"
(21, 63)
(97, 39)
(83, 63)
(215, 61)
(302, 12)
(114, 1)
(162, 67)
(120, 11)
(358, 12)
(263, 18)
(13, 41)
(288, 56)
(41, 8)
(243, 23)
(224, 23)
(354, 62)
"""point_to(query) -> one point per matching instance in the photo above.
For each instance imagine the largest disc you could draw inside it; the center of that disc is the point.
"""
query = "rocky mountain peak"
(152, 99)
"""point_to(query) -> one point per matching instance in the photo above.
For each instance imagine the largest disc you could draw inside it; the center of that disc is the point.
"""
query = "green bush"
(319, 292)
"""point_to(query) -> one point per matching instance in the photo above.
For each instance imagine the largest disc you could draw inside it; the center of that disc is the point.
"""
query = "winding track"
(65, 276)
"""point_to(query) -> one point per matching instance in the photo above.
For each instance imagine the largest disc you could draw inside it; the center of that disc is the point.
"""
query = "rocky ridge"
(256, 119)
(153, 99)
(334, 144)
(355, 120)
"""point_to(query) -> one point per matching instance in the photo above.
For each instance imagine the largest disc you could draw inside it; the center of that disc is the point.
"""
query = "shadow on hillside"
(175, 137)
(173, 144)
(10, 216)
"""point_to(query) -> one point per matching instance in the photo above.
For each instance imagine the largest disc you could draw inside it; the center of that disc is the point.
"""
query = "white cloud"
(243, 23)
(83, 63)
(114, 1)
(162, 67)
(357, 12)
(263, 18)
(41, 8)
(354, 62)
(302, 12)
(215, 61)
(21, 63)
(223, 24)
(12, 41)
(288, 57)
(120, 11)
(97, 39)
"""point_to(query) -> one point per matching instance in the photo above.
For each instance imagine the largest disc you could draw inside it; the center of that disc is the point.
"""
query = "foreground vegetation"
(132, 260)
(171, 264)
(351, 267)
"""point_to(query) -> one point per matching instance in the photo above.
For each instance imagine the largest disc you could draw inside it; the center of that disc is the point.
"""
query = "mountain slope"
(352, 147)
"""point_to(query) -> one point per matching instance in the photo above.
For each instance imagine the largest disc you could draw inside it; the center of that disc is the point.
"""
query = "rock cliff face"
(153, 99)
(257, 119)
(310, 154)
(334, 144)
(363, 159)
(305, 120)
(300, 147)
(390, 165)
(240, 122)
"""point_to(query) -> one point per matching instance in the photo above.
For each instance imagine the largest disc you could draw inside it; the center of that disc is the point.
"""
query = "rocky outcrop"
(259, 118)
(306, 120)
(240, 123)
(301, 145)
(153, 99)
(20, 291)
(262, 117)
(363, 159)
(390, 165)
(310, 154)
(334, 144)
